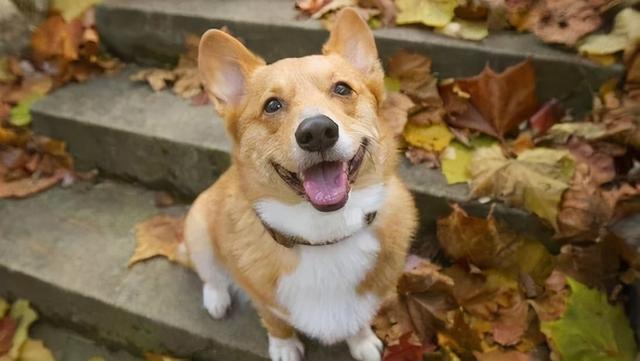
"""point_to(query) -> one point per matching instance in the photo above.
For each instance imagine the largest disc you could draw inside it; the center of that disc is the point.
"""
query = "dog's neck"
(302, 224)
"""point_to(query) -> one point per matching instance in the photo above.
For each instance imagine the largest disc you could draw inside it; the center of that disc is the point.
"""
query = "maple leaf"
(427, 12)
(535, 180)
(590, 328)
(160, 235)
(404, 351)
(601, 165)
(502, 106)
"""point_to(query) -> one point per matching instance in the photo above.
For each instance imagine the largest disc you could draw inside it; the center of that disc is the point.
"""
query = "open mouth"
(326, 184)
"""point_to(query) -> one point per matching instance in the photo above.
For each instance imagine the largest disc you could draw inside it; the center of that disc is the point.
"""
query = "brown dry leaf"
(159, 236)
(552, 304)
(584, 209)
(422, 156)
(502, 105)
(412, 71)
(164, 199)
(7, 329)
(601, 166)
(596, 265)
(395, 110)
(562, 21)
(522, 143)
(549, 114)
(27, 186)
(392, 321)
(310, 7)
(157, 78)
(405, 350)
(56, 39)
(503, 356)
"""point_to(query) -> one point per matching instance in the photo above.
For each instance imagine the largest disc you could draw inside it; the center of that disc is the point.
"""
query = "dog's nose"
(317, 133)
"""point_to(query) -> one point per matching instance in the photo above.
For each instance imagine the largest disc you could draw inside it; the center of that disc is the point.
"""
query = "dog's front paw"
(216, 300)
(285, 349)
(365, 346)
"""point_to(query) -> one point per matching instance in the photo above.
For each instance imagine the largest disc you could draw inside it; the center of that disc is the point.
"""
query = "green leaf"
(590, 329)
(22, 312)
(455, 161)
(21, 113)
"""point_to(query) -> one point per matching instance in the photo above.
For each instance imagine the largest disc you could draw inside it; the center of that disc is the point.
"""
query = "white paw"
(216, 300)
(285, 349)
(365, 346)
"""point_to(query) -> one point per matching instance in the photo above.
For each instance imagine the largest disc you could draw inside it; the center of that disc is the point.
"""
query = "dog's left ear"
(352, 39)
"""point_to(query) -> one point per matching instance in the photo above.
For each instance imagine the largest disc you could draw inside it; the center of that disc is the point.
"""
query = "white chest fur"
(321, 294)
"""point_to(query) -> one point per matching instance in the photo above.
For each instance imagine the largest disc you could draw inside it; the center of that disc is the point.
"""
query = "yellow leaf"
(35, 350)
(430, 137)
(4, 307)
(159, 236)
(70, 9)
(465, 29)
(535, 181)
(25, 315)
(429, 12)
(455, 163)
(624, 36)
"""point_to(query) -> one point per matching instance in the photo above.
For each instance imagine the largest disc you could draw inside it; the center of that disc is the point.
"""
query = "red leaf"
(7, 329)
(404, 351)
(549, 114)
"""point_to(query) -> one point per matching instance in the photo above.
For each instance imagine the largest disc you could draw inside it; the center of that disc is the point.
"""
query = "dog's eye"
(272, 105)
(342, 88)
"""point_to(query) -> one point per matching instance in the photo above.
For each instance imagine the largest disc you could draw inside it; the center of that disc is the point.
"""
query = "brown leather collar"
(290, 241)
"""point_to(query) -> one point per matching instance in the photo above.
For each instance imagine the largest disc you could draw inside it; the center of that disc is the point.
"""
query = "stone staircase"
(67, 249)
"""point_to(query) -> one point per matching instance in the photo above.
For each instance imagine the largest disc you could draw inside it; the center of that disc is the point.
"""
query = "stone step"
(157, 139)
(67, 250)
(152, 32)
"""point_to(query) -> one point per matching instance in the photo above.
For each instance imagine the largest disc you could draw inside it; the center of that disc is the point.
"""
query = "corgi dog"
(311, 219)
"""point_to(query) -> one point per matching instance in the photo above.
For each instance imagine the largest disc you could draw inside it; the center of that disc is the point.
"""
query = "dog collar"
(290, 241)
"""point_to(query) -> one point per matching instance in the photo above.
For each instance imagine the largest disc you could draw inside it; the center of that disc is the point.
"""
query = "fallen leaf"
(502, 356)
(164, 199)
(590, 328)
(35, 350)
(562, 21)
(70, 9)
(21, 113)
(455, 161)
(595, 265)
(549, 114)
(624, 36)
(422, 156)
(311, 6)
(395, 111)
(427, 12)
(404, 351)
(502, 106)
(434, 137)
(465, 29)
(27, 186)
(522, 143)
(601, 165)
(156, 77)
(535, 180)
(158, 236)
(21, 312)
(7, 329)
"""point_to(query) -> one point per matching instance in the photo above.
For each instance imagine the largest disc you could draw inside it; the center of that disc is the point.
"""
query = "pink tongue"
(326, 184)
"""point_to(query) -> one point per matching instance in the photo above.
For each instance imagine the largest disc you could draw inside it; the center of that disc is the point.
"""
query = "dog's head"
(305, 127)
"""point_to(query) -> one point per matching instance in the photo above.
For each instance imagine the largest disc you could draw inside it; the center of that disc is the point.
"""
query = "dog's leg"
(365, 345)
(215, 291)
(284, 344)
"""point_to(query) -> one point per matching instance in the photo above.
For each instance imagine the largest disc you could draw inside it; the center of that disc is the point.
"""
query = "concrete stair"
(67, 249)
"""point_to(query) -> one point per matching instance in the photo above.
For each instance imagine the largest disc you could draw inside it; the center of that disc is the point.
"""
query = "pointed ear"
(225, 65)
(352, 39)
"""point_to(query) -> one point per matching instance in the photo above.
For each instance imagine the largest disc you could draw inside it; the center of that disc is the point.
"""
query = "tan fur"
(240, 241)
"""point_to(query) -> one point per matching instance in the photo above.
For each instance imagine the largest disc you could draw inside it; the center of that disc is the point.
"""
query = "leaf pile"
(15, 343)
(505, 297)
(184, 79)
(65, 47)
(490, 131)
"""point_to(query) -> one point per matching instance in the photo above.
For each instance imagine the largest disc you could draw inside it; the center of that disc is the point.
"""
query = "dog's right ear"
(225, 66)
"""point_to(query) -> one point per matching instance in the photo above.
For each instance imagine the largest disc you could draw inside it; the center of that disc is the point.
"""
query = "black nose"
(317, 134)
